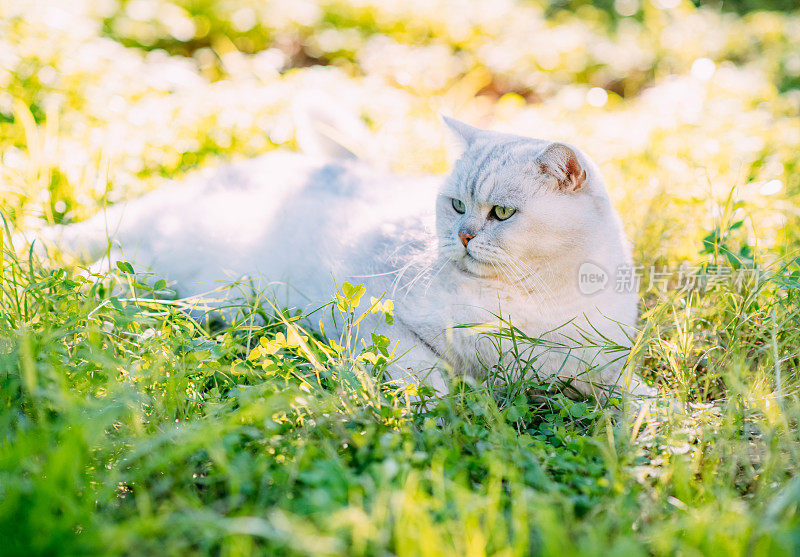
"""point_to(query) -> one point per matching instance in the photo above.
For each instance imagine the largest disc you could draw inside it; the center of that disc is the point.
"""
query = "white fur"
(295, 224)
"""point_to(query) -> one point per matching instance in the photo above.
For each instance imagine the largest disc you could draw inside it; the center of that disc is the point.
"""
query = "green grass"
(131, 428)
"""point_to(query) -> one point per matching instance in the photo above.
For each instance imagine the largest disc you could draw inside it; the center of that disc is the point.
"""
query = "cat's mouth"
(474, 267)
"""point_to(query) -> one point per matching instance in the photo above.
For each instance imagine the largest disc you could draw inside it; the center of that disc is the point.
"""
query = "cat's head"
(513, 203)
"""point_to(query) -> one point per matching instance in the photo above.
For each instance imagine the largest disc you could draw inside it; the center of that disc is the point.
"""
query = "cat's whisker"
(419, 275)
(386, 274)
(511, 261)
(510, 275)
(528, 273)
(516, 281)
(415, 260)
(519, 274)
(506, 271)
(547, 279)
(499, 271)
(548, 295)
(444, 264)
(400, 273)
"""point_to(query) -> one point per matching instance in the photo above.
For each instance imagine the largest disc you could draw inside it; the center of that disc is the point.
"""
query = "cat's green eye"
(502, 213)
(458, 205)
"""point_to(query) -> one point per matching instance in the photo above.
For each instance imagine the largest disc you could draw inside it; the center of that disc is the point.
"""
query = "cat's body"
(295, 226)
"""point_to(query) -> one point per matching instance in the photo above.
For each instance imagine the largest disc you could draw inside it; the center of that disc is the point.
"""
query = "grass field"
(128, 428)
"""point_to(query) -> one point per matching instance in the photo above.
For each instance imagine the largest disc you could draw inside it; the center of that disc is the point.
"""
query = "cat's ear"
(561, 162)
(464, 132)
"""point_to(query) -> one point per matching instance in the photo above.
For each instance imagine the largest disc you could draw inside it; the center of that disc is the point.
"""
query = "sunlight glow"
(597, 97)
(771, 188)
(703, 69)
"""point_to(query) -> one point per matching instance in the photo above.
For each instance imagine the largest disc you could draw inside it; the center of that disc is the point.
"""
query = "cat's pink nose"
(465, 238)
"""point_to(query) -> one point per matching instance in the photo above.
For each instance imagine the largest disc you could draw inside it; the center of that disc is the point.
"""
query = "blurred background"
(691, 109)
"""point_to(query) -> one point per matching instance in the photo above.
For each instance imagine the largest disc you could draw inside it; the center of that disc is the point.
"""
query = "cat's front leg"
(418, 364)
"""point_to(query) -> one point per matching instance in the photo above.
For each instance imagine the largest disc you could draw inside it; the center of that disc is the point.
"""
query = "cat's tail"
(83, 241)
(325, 127)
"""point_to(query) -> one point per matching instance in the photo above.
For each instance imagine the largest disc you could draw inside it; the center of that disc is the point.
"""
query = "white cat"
(506, 233)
